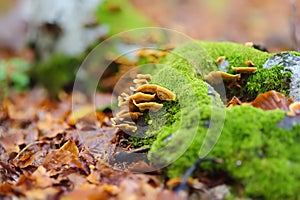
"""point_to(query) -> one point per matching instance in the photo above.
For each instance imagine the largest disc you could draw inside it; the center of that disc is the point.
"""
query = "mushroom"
(220, 59)
(249, 63)
(244, 70)
(148, 77)
(126, 127)
(129, 115)
(142, 97)
(152, 106)
(148, 88)
(162, 93)
(165, 94)
(295, 108)
(217, 77)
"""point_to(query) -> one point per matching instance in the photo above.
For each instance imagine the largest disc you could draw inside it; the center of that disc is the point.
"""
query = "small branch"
(25, 148)
(188, 173)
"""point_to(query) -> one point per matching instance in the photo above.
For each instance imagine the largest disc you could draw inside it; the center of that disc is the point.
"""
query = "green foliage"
(56, 73)
(268, 79)
(13, 74)
(120, 16)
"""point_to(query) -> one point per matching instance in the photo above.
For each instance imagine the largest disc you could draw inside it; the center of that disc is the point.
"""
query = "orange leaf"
(71, 147)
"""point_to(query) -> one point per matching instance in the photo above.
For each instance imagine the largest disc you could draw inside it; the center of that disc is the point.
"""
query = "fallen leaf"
(272, 100)
(42, 178)
(71, 147)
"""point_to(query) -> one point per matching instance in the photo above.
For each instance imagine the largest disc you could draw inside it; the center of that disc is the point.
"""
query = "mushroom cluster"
(144, 97)
(218, 77)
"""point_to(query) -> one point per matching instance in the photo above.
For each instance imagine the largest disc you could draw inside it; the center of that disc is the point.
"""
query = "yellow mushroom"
(152, 106)
(148, 88)
(249, 63)
(217, 77)
(295, 108)
(245, 70)
(220, 59)
(142, 97)
(130, 115)
(165, 94)
(126, 127)
(144, 76)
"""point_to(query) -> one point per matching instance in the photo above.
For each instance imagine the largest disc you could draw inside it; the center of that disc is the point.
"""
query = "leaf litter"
(44, 156)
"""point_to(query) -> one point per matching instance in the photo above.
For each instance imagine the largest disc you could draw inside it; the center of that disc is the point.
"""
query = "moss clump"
(257, 154)
(265, 80)
(236, 54)
(186, 119)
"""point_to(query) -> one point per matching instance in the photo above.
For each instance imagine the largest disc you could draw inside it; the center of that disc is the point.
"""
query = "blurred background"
(274, 24)
(53, 36)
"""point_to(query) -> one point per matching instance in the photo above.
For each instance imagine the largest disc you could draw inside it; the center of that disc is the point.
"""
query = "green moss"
(267, 79)
(120, 16)
(186, 121)
(236, 54)
(258, 155)
(262, 157)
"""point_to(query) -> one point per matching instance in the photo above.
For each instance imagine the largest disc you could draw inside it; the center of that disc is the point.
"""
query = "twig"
(25, 148)
(188, 173)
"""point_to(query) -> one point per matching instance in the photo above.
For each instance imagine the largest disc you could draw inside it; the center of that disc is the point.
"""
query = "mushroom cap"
(249, 63)
(142, 97)
(165, 94)
(129, 115)
(295, 108)
(162, 93)
(148, 88)
(152, 106)
(140, 81)
(245, 70)
(216, 77)
(144, 76)
(126, 127)
(220, 59)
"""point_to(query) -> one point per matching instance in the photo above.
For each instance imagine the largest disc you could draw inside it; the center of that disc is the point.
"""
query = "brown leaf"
(71, 147)
(9, 190)
(234, 101)
(56, 160)
(170, 195)
(77, 179)
(42, 178)
(272, 100)
(11, 141)
(41, 194)
(25, 160)
(87, 192)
